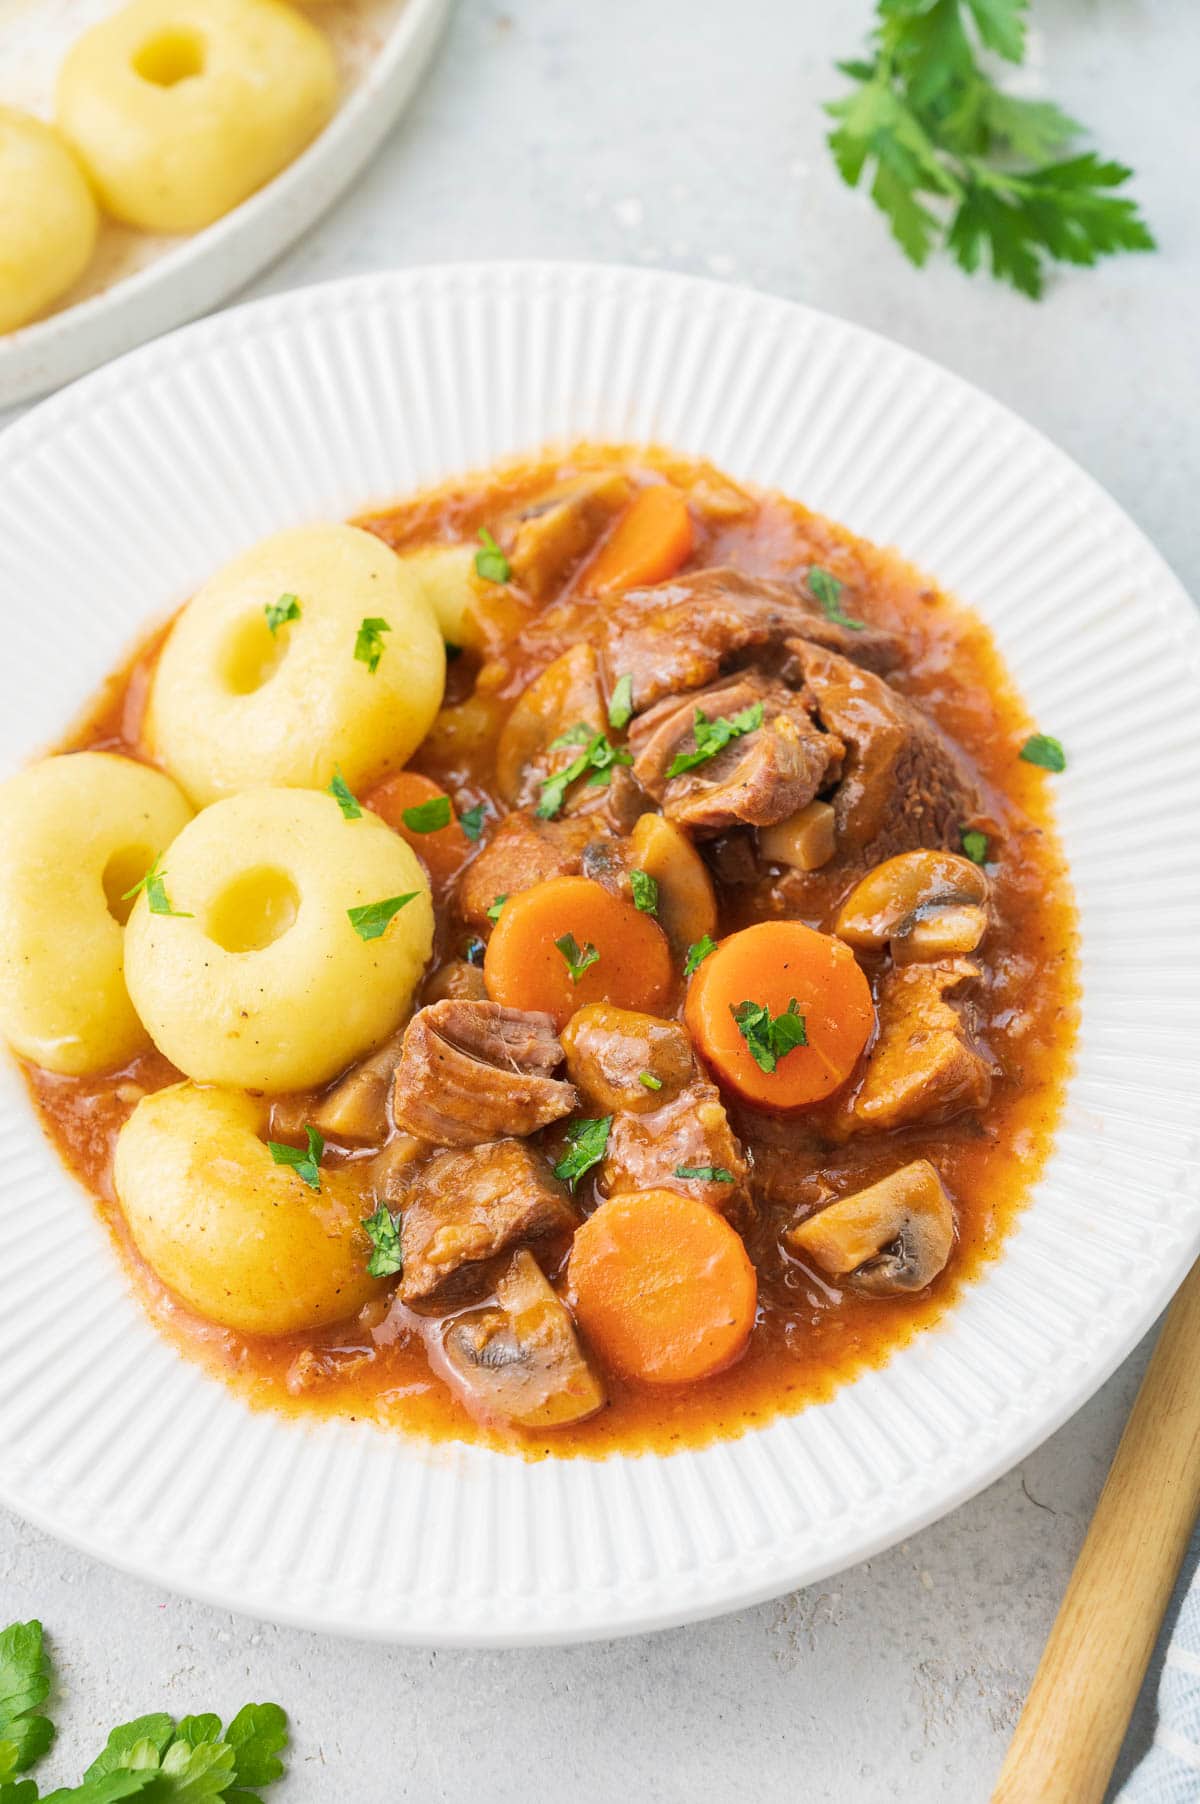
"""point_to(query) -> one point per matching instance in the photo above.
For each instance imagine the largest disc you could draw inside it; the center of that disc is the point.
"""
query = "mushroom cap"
(890, 1239)
(933, 900)
(520, 1360)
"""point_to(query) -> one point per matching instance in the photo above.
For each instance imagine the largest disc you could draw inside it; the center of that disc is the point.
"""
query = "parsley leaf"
(279, 612)
(344, 796)
(710, 1174)
(697, 952)
(586, 1144)
(577, 962)
(25, 1734)
(157, 900)
(368, 643)
(620, 704)
(493, 913)
(952, 158)
(305, 1162)
(371, 920)
(645, 891)
(491, 563)
(428, 817)
(383, 1231)
(648, 1078)
(712, 736)
(1040, 749)
(579, 734)
(827, 593)
(975, 844)
(768, 1038)
(599, 757)
(471, 822)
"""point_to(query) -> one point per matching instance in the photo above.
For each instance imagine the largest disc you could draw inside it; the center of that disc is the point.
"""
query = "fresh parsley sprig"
(827, 593)
(157, 900)
(577, 961)
(599, 756)
(304, 1161)
(952, 158)
(587, 1142)
(645, 891)
(279, 612)
(368, 642)
(387, 1253)
(428, 817)
(491, 563)
(712, 736)
(371, 920)
(697, 952)
(345, 797)
(768, 1037)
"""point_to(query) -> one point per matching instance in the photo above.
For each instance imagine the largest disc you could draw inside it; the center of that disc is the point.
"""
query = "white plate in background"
(120, 495)
(139, 283)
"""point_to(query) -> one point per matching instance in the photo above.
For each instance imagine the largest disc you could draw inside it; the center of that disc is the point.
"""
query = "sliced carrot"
(776, 964)
(443, 849)
(662, 1287)
(650, 541)
(527, 968)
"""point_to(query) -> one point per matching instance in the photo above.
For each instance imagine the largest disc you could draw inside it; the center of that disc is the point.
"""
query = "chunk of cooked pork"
(521, 852)
(475, 1071)
(690, 1133)
(758, 778)
(461, 1208)
(924, 1065)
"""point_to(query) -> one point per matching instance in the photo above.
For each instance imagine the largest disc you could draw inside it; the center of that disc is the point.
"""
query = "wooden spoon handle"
(1083, 1694)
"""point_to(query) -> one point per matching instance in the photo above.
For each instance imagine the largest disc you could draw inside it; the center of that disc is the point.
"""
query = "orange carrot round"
(441, 849)
(783, 968)
(650, 541)
(569, 941)
(662, 1287)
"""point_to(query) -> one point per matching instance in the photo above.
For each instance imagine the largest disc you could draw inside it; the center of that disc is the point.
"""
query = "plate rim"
(47, 417)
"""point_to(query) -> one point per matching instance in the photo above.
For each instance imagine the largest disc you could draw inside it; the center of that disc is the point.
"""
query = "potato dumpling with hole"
(180, 109)
(448, 581)
(76, 832)
(48, 219)
(258, 681)
(259, 977)
(245, 1242)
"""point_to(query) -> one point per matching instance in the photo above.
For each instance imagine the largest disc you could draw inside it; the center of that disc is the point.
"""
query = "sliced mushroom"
(806, 840)
(557, 531)
(522, 1361)
(687, 905)
(927, 905)
(563, 699)
(892, 1238)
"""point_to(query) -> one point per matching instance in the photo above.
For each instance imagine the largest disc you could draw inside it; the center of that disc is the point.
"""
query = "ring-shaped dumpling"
(180, 109)
(448, 580)
(48, 219)
(76, 832)
(240, 698)
(259, 978)
(245, 1242)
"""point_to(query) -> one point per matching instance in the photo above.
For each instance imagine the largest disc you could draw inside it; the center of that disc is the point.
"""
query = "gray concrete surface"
(690, 135)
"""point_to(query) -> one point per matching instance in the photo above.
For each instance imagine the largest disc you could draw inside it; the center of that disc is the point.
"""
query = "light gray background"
(688, 133)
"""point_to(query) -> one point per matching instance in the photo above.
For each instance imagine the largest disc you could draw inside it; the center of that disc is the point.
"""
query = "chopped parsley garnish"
(428, 817)
(712, 736)
(577, 962)
(709, 1174)
(827, 592)
(383, 1231)
(975, 845)
(368, 644)
(586, 1142)
(697, 952)
(370, 922)
(279, 612)
(157, 900)
(472, 822)
(648, 1078)
(769, 1038)
(579, 734)
(1040, 749)
(345, 798)
(620, 704)
(25, 1734)
(599, 758)
(304, 1161)
(491, 563)
(645, 891)
(493, 912)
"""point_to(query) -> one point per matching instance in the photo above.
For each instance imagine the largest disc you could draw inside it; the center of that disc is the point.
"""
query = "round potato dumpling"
(245, 1242)
(180, 109)
(447, 577)
(77, 832)
(260, 977)
(48, 219)
(312, 651)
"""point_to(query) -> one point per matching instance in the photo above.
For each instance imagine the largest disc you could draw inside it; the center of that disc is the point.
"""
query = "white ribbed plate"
(121, 494)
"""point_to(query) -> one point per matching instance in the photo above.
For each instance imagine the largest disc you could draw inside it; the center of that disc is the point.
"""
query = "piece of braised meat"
(521, 852)
(924, 1065)
(551, 722)
(475, 1071)
(682, 634)
(463, 1207)
(903, 785)
(619, 1058)
(758, 778)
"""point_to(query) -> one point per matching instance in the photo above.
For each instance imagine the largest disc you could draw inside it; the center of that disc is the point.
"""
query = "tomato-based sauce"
(812, 1333)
